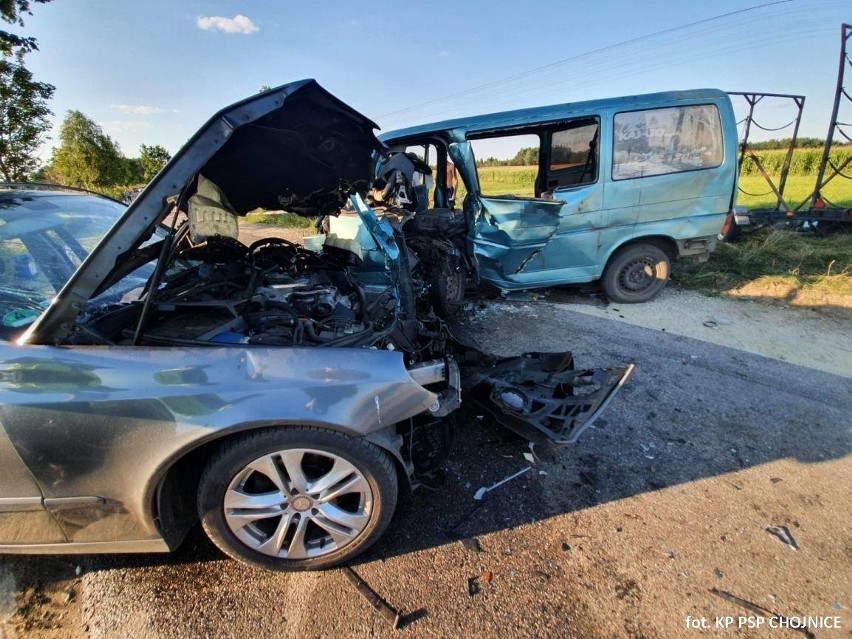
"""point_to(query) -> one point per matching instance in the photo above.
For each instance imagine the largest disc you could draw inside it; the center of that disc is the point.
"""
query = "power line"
(550, 65)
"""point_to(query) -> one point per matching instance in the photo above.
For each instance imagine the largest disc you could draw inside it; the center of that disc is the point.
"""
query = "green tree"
(133, 171)
(23, 100)
(153, 158)
(86, 157)
(23, 118)
(11, 11)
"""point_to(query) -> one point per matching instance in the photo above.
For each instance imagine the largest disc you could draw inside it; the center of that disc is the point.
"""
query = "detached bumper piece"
(542, 398)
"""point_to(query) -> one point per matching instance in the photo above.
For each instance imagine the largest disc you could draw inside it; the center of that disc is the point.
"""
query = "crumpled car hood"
(295, 146)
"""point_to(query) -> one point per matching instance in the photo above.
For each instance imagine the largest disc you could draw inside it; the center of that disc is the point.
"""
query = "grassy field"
(755, 192)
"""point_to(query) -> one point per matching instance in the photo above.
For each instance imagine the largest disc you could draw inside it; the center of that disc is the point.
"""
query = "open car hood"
(295, 147)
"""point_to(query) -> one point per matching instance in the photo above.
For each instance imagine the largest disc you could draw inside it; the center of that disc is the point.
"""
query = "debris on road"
(480, 494)
(392, 615)
(473, 586)
(783, 534)
(474, 583)
(471, 543)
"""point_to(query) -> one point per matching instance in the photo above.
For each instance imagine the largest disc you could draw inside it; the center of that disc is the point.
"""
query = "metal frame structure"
(836, 126)
(745, 150)
(815, 212)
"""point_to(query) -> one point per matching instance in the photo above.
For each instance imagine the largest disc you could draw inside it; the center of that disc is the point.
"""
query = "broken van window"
(669, 140)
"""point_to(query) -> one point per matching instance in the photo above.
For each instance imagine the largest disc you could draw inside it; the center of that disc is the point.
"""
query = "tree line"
(86, 156)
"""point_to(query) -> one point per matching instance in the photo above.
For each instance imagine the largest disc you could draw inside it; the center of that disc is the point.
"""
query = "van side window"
(667, 140)
(574, 154)
(507, 166)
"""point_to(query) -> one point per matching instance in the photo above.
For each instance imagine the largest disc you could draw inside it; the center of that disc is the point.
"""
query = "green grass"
(288, 220)
(771, 257)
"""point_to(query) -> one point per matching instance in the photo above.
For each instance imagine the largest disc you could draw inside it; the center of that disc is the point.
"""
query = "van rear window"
(667, 140)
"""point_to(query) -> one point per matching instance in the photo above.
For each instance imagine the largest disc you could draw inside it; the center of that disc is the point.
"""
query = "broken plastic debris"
(481, 492)
(532, 450)
(392, 615)
(512, 400)
(783, 534)
(472, 586)
(471, 543)
(529, 457)
(488, 576)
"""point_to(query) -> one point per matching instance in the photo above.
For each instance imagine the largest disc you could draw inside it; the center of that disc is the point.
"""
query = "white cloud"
(237, 24)
(136, 109)
(117, 126)
(443, 54)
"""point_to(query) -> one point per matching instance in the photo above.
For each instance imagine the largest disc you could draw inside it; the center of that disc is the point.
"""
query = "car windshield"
(44, 237)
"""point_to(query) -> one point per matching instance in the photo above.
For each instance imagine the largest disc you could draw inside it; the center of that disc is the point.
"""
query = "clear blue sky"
(153, 71)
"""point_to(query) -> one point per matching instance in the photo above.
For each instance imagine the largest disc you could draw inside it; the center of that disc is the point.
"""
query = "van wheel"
(296, 498)
(636, 274)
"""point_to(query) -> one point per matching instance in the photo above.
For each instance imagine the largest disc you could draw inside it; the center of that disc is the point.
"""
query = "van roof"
(555, 112)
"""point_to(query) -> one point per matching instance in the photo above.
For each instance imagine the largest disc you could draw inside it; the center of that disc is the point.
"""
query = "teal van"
(613, 189)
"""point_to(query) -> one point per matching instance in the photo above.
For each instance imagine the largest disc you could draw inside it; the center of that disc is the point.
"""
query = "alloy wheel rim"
(298, 503)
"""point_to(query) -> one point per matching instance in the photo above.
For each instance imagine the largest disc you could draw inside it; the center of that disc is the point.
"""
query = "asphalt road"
(622, 535)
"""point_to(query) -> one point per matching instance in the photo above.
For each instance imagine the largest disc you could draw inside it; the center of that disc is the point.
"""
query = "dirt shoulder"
(797, 335)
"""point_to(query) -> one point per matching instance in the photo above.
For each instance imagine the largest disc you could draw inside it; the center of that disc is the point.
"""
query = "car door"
(23, 518)
(543, 230)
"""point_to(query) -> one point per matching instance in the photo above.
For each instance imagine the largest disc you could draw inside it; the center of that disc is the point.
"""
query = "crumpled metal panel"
(108, 421)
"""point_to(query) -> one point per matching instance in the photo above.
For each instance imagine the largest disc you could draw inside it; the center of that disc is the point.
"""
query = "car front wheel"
(297, 498)
(636, 273)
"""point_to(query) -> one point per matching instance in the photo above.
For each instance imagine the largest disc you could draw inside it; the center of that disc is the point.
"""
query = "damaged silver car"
(156, 371)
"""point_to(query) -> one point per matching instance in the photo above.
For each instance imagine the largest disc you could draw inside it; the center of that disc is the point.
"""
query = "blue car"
(612, 189)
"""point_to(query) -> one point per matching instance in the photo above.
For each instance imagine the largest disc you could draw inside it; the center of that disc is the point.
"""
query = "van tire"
(636, 273)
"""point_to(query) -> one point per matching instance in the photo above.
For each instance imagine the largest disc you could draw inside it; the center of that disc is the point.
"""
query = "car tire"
(447, 286)
(298, 498)
(636, 273)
